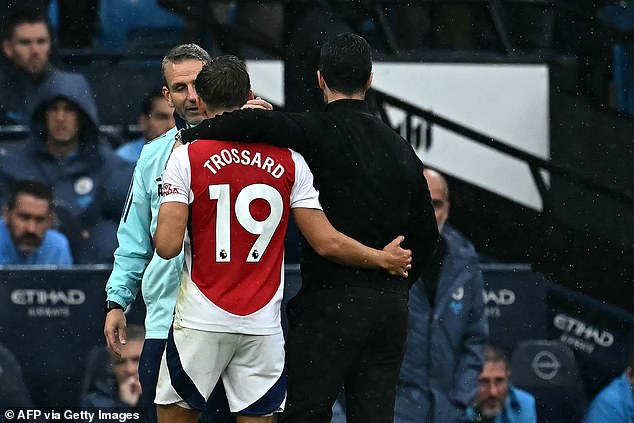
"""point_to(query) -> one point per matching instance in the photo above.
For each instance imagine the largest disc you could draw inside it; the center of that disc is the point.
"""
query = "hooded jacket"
(91, 183)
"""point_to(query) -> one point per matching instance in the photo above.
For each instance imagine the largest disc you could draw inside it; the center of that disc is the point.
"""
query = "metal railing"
(535, 164)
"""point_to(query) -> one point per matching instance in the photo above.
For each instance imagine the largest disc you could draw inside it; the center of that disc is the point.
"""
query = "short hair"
(24, 16)
(493, 353)
(135, 333)
(148, 100)
(33, 188)
(224, 83)
(345, 63)
(184, 52)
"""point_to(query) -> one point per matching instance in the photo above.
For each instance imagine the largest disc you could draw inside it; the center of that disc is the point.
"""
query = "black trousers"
(352, 337)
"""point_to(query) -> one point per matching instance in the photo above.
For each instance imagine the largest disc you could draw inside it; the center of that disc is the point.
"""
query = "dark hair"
(494, 353)
(34, 188)
(345, 63)
(24, 16)
(148, 100)
(632, 359)
(224, 83)
(135, 333)
(184, 52)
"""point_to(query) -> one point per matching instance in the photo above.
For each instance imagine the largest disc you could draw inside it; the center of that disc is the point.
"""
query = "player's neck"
(210, 113)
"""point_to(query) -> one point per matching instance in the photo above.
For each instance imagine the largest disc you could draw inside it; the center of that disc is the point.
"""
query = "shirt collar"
(348, 104)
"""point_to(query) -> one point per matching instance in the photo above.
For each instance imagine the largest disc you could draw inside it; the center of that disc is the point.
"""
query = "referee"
(347, 327)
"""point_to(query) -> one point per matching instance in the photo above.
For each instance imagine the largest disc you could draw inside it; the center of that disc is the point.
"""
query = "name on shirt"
(246, 158)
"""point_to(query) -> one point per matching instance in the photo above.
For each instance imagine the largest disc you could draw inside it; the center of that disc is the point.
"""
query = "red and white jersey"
(239, 197)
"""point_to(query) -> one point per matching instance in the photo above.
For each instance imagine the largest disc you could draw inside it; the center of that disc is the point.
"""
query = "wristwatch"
(111, 305)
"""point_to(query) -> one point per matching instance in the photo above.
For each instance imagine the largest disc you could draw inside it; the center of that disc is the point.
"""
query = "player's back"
(240, 201)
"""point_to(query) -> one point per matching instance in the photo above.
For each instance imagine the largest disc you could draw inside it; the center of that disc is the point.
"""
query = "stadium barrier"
(51, 318)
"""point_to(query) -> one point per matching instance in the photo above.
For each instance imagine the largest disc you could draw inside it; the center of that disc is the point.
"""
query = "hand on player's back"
(398, 260)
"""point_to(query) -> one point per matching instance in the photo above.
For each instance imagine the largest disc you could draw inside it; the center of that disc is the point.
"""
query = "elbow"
(327, 248)
(167, 252)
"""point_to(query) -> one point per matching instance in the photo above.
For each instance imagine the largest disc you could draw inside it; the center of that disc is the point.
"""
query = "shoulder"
(525, 400)
(297, 157)
(158, 147)
(619, 387)
(56, 239)
(458, 244)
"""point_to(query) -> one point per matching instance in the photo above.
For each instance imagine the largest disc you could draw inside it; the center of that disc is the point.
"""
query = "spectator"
(497, 400)
(66, 152)
(615, 402)
(125, 392)
(156, 118)
(26, 236)
(26, 44)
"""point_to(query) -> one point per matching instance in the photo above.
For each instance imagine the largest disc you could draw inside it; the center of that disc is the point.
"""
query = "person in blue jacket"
(615, 402)
(136, 265)
(497, 401)
(156, 118)
(446, 329)
(26, 237)
(66, 151)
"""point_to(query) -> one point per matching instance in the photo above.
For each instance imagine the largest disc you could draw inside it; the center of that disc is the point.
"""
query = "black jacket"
(370, 182)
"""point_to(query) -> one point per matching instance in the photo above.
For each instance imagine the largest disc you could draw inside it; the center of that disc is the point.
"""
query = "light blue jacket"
(614, 404)
(443, 356)
(519, 408)
(54, 250)
(136, 264)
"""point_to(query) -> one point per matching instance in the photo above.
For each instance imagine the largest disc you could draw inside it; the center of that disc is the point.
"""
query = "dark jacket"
(370, 181)
(20, 91)
(443, 357)
(91, 183)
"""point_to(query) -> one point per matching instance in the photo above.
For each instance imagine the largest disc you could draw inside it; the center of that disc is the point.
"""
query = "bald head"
(439, 191)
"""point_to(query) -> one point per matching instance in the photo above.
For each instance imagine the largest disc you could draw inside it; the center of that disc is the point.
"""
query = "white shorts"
(251, 367)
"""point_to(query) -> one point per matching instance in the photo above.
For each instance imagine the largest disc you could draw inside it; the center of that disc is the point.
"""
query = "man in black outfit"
(347, 327)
